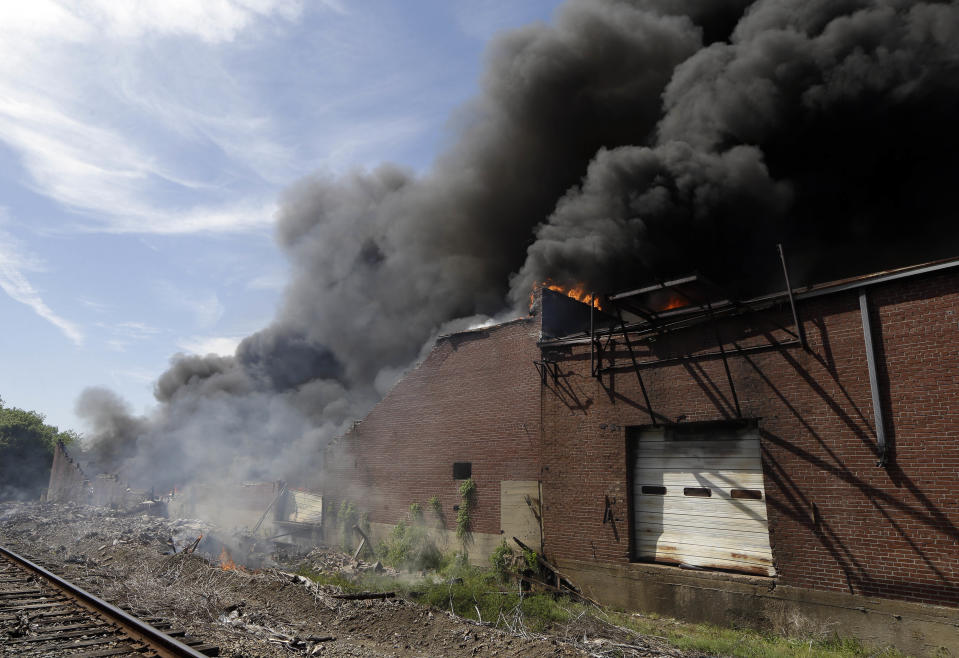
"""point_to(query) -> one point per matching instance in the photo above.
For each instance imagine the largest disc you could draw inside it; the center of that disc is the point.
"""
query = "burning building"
(686, 452)
(626, 143)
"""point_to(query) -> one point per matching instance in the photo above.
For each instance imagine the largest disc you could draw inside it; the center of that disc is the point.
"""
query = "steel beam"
(873, 378)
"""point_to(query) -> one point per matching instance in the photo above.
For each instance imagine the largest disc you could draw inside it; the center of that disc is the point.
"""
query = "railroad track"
(43, 615)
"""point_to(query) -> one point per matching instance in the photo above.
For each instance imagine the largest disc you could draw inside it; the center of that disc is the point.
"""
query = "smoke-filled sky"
(620, 141)
(144, 146)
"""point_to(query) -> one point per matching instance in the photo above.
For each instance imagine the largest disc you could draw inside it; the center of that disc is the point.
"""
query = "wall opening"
(697, 496)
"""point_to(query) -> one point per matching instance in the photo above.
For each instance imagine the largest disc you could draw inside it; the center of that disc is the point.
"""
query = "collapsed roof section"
(684, 302)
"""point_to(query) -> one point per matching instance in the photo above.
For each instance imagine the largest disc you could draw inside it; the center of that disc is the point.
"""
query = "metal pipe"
(792, 300)
(873, 378)
(592, 337)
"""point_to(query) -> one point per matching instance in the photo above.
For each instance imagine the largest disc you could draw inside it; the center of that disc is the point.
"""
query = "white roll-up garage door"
(698, 498)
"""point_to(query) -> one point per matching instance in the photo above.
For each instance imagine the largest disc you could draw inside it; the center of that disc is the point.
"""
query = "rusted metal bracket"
(546, 367)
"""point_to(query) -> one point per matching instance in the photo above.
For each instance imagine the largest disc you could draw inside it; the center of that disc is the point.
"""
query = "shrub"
(409, 545)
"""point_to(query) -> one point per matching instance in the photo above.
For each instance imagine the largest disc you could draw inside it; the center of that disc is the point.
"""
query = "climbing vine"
(464, 521)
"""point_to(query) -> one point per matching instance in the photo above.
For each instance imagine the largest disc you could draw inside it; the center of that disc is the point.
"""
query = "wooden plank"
(517, 516)
(92, 643)
(20, 591)
(88, 631)
(121, 651)
(60, 604)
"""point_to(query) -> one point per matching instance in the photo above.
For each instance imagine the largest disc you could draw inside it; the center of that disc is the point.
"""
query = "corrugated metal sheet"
(689, 513)
(304, 507)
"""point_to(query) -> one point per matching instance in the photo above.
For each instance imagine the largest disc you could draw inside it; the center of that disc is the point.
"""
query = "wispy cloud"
(124, 334)
(84, 105)
(13, 262)
(204, 306)
(203, 345)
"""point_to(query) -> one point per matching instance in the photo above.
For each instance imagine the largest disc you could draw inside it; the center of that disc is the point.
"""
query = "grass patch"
(745, 643)
(481, 594)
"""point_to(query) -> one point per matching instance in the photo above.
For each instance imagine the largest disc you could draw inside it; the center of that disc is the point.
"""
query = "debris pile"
(158, 569)
(327, 560)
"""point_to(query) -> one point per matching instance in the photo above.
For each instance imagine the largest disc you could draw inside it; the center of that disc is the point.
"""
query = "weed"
(481, 594)
(416, 512)
(409, 545)
(346, 518)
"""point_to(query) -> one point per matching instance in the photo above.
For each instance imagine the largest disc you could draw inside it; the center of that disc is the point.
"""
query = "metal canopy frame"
(693, 300)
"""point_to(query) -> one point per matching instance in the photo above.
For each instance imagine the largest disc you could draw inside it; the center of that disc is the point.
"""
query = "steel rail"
(137, 629)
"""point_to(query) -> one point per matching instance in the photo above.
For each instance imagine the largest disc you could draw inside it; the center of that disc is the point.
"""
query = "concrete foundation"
(757, 602)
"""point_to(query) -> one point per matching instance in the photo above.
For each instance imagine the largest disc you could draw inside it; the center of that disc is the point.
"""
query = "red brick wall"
(474, 399)
(837, 522)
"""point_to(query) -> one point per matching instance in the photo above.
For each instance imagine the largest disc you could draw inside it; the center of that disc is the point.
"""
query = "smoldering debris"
(623, 142)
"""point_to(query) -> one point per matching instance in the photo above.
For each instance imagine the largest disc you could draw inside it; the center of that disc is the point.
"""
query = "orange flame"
(226, 562)
(577, 292)
(675, 301)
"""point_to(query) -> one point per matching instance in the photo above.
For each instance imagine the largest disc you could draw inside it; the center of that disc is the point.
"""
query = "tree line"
(26, 452)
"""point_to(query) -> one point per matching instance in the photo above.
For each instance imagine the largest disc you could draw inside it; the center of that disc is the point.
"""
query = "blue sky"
(144, 145)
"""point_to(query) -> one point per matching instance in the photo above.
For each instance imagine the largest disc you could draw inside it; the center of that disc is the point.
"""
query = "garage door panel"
(701, 536)
(707, 463)
(745, 560)
(745, 448)
(747, 524)
(728, 508)
(717, 479)
(671, 523)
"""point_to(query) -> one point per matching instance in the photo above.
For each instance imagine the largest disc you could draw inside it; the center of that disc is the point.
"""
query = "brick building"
(470, 410)
(702, 457)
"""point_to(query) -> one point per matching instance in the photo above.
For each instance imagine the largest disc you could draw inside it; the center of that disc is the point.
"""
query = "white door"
(698, 498)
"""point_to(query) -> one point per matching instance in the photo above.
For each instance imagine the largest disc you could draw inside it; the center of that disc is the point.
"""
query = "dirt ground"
(129, 561)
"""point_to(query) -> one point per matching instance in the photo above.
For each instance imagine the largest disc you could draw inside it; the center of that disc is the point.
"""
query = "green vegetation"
(346, 518)
(746, 643)
(481, 594)
(410, 546)
(464, 521)
(26, 452)
(416, 512)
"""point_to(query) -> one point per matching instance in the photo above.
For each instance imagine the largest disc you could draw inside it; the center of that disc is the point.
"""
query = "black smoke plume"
(624, 142)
